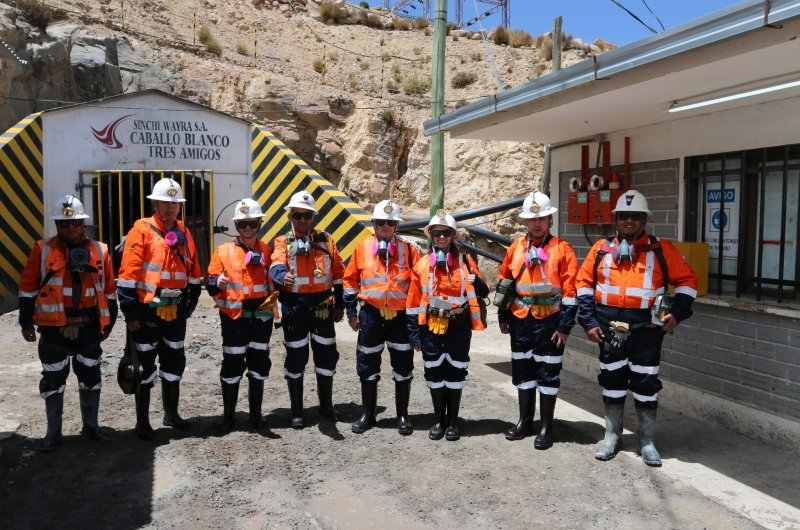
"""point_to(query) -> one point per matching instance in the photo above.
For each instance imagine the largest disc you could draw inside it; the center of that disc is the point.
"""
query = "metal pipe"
(503, 240)
(481, 252)
(468, 214)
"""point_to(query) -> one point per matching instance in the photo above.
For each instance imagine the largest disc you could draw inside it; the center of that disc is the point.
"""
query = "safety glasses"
(305, 216)
(634, 216)
(249, 223)
(64, 223)
(382, 222)
(441, 233)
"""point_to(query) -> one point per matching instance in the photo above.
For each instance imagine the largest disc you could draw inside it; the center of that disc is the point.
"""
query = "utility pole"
(437, 106)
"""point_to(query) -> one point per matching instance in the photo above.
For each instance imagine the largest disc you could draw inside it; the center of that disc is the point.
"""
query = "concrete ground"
(758, 481)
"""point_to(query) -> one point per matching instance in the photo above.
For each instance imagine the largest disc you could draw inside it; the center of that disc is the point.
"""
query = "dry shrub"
(421, 23)
(213, 46)
(37, 13)
(204, 34)
(417, 50)
(332, 13)
(603, 45)
(397, 73)
(544, 44)
(460, 103)
(500, 36)
(416, 86)
(352, 80)
(387, 117)
(363, 65)
(463, 79)
(427, 31)
(401, 24)
(519, 38)
(319, 66)
(392, 87)
(333, 55)
(476, 56)
(364, 4)
(242, 49)
(455, 38)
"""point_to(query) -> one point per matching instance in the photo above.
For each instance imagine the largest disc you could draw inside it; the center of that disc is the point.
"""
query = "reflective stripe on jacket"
(49, 260)
(245, 282)
(149, 264)
(560, 270)
(451, 285)
(635, 285)
(368, 277)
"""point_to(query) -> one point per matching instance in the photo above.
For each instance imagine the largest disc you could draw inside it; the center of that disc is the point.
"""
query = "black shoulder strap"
(659, 252)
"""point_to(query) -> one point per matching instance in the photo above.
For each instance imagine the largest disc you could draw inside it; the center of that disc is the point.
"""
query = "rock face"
(338, 95)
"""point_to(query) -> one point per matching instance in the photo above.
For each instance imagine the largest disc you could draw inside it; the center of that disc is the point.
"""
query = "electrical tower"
(409, 8)
(422, 8)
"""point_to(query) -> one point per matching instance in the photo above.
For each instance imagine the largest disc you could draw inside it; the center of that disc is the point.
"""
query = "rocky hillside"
(350, 98)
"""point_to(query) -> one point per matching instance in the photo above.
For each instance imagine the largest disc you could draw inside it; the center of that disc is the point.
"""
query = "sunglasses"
(306, 216)
(441, 233)
(64, 223)
(251, 223)
(382, 222)
(634, 216)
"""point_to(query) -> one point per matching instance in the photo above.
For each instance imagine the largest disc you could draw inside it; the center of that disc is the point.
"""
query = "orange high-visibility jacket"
(245, 282)
(149, 264)
(451, 285)
(323, 258)
(560, 270)
(635, 285)
(368, 276)
(48, 260)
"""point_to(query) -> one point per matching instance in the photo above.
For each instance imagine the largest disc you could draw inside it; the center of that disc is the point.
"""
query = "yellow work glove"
(438, 325)
(167, 313)
(322, 313)
(269, 301)
(388, 314)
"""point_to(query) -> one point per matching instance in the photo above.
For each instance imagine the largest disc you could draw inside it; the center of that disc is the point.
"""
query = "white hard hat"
(387, 210)
(441, 218)
(302, 200)
(632, 201)
(167, 190)
(247, 209)
(535, 205)
(68, 207)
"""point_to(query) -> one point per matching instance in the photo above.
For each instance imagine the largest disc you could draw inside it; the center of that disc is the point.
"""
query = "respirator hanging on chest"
(535, 255)
(624, 251)
(174, 237)
(383, 248)
(254, 258)
(300, 247)
(440, 258)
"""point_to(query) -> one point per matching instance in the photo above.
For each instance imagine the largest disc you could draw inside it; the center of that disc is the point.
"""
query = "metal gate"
(119, 198)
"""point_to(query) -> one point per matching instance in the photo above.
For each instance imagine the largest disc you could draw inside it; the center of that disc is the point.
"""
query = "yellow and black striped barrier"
(21, 207)
(278, 173)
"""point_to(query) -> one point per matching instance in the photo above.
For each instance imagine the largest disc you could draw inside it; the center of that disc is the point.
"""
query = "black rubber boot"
(296, 399)
(143, 429)
(230, 395)
(645, 429)
(612, 443)
(90, 406)
(369, 398)
(54, 407)
(453, 404)
(255, 396)
(527, 404)
(547, 407)
(171, 395)
(325, 395)
(402, 395)
(439, 408)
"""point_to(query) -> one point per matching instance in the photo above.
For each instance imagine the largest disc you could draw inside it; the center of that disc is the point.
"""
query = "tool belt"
(166, 303)
(263, 315)
(447, 313)
(631, 327)
(541, 300)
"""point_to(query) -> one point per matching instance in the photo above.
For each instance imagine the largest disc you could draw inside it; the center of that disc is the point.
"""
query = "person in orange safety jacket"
(67, 290)
(378, 275)
(238, 279)
(307, 266)
(158, 286)
(540, 317)
(623, 306)
(442, 309)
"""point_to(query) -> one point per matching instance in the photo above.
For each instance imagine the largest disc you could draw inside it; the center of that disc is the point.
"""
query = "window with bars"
(745, 205)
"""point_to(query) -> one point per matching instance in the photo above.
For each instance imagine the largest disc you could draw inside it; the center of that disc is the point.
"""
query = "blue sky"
(589, 19)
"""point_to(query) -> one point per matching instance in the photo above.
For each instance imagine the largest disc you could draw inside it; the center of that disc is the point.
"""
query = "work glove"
(438, 325)
(70, 332)
(322, 312)
(388, 314)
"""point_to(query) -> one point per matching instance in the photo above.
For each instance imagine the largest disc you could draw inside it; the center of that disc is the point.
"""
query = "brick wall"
(743, 355)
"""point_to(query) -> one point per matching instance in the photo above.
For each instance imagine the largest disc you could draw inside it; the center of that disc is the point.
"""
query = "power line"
(651, 12)
(631, 13)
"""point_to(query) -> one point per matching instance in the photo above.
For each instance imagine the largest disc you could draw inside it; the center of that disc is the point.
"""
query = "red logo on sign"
(108, 134)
